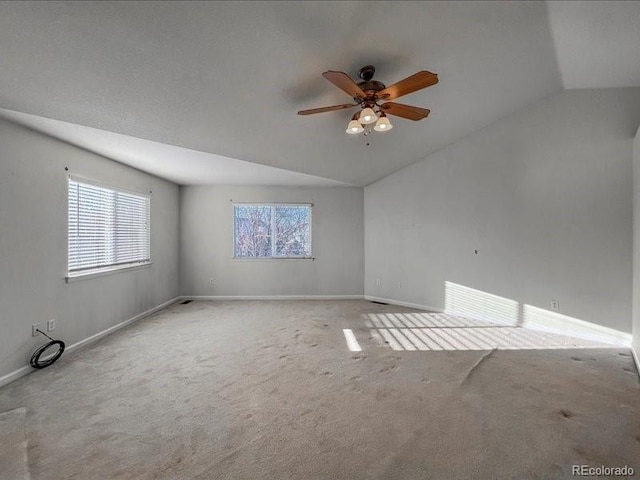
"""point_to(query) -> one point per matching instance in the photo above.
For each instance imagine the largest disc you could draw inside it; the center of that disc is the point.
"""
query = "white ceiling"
(177, 164)
(597, 43)
(224, 80)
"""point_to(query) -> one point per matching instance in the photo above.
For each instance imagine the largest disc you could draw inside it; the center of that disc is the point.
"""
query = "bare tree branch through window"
(272, 231)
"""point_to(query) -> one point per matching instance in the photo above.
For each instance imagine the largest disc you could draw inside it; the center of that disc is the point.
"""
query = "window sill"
(100, 272)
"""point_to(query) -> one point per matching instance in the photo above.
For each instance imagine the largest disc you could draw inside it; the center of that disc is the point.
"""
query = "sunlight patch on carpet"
(439, 331)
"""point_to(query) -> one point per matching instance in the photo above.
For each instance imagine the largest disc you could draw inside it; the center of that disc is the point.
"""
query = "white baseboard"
(403, 304)
(553, 322)
(16, 374)
(271, 297)
(10, 377)
(635, 357)
(104, 333)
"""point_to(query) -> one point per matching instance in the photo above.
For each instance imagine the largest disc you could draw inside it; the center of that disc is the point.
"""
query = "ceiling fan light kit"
(368, 93)
(354, 127)
(383, 124)
(368, 116)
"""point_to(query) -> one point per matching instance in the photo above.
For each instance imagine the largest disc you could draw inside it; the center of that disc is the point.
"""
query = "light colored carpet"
(13, 445)
(269, 390)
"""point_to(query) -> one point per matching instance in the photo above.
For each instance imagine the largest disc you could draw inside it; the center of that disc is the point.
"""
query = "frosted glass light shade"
(354, 127)
(368, 116)
(383, 125)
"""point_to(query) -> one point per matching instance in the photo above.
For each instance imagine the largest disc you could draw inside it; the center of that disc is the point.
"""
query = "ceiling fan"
(368, 94)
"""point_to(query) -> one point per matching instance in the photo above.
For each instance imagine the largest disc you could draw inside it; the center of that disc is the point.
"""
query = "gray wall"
(636, 243)
(206, 243)
(544, 196)
(33, 246)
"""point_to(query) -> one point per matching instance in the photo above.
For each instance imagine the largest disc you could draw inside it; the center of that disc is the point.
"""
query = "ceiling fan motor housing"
(373, 85)
(369, 86)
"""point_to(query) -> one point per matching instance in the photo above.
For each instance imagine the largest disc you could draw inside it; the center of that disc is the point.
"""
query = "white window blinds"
(107, 227)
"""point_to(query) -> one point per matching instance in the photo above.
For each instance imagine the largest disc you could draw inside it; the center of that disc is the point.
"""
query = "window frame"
(89, 272)
(273, 205)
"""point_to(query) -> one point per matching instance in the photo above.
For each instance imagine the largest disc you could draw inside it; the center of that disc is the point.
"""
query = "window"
(108, 228)
(272, 231)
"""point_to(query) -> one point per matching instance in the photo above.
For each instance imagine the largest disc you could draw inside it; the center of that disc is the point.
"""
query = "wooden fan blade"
(411, 84)
(405, 111)
(326, 109)
(345, 83)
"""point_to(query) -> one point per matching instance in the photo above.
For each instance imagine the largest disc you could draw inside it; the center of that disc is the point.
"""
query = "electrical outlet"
(212, 281)
(34, 329)
(51, 325)
(555, 305)
(378, 282)
(399, 284)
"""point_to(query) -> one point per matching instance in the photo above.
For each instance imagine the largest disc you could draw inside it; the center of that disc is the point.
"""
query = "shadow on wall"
(472, 303)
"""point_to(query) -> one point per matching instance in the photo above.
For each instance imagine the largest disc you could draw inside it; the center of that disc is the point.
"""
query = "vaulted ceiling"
(208, 91)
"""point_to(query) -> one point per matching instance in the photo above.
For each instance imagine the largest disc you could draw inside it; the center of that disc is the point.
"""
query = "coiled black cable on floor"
(35, 361)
